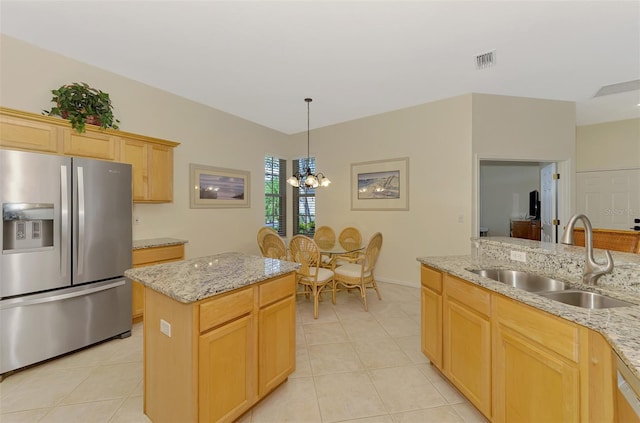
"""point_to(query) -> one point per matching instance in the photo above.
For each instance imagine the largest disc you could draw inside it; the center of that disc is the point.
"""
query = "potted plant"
(82, 104)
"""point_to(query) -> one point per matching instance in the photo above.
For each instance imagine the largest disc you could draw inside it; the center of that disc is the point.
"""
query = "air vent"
(486, 60)
(621, 87)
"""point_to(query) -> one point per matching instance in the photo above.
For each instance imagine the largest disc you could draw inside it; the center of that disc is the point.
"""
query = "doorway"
(504, 193)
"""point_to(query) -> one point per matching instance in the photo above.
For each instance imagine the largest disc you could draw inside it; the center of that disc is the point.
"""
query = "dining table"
(337, 249)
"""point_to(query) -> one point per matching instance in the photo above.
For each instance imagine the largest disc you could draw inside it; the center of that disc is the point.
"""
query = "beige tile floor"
(352, 366)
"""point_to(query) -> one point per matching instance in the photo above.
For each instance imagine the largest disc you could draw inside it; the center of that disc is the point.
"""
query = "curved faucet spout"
(592, 269)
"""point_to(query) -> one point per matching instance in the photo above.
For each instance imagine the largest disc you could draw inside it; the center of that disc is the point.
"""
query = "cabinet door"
(89, 144)
(432, 326)
(160, 173)
(467, 343)
(536, 365)
(137, 301)
(136, 153)
(533, 383)
(467, 354)
(28, 135)
(226, 371)
(276, 344)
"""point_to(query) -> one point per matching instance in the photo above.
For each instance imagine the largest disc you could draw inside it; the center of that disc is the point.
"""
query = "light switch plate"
(165, 327)
(519, 256)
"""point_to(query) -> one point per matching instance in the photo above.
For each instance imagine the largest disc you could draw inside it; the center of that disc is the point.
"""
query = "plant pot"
(91, 120)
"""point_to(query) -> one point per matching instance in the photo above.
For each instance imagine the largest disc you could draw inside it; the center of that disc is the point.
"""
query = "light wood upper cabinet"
(151, 158)
(95, 145)
(21, 131)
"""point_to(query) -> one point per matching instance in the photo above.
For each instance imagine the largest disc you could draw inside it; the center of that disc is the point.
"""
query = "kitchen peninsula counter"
(139, 244)
(219, 335)
(620, 325)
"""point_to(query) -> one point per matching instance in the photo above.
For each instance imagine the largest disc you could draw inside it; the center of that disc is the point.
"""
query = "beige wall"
(208, 136)
(527, 129)
(608, 146)
(440, 139)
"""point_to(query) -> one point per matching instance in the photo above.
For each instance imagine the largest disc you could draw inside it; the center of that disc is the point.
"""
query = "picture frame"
(380, 185)
(218, 187)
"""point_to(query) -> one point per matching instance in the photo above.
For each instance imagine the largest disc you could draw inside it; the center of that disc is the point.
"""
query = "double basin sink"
(551, 288)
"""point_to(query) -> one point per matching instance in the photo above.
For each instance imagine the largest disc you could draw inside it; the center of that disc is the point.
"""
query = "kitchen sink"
(585, 299)
(523, 280)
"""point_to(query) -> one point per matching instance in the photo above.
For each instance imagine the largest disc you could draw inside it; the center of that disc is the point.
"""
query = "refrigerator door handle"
(81, 223)
(20, 302)
(64, 220)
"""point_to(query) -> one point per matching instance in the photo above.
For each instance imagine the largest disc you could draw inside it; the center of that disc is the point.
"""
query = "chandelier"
(308, 179)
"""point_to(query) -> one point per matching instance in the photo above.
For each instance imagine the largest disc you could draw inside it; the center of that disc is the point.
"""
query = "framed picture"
(217, 187)
(380, 185)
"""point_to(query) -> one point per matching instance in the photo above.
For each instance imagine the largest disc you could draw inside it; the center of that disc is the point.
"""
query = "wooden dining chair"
(310, 275)
(325, 236)
(360, 275)
(274, 246)
(261, 233)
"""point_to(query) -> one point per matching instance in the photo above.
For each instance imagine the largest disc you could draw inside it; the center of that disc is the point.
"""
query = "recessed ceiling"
(260, 59)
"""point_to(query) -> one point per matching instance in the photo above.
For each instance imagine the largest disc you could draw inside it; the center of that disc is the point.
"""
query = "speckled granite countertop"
(195, 279)
(156, 242)
(620, 326)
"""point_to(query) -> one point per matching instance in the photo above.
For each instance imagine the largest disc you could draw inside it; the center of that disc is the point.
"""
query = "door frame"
(566, 186)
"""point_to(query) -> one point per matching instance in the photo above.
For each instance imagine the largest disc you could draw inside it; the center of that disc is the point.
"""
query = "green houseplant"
(82, 104)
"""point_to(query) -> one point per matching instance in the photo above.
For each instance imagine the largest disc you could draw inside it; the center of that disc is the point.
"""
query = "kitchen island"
(219, 335)
(510, 350)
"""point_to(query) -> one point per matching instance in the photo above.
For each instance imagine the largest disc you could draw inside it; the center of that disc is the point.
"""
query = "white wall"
(504, 190)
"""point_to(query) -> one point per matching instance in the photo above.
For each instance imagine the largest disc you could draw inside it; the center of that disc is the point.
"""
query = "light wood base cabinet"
(224, 354)
(147, 257)
(467, 340)
(431, 315)
(515, 363)
(151, 158)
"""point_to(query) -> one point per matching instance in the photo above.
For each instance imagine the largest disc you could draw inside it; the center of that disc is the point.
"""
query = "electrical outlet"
(165, 327)
(519, 256)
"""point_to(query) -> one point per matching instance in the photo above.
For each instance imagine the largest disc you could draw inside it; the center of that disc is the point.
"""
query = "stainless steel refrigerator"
(66, 242)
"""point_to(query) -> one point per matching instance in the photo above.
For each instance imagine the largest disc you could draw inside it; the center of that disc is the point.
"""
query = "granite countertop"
(195, 279)
(620, 326)
(156, 242)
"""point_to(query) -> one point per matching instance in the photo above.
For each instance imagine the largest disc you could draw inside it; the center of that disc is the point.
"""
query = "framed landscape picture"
(380, 185)
(217, 187)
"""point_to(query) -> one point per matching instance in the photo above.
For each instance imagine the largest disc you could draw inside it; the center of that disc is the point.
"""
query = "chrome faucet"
(592, 269)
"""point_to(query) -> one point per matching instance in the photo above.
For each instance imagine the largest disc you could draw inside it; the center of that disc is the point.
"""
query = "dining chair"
(310, 275)
(325, 236)
(348, 236)
(274, 246)
(360, 275)
(261, 233)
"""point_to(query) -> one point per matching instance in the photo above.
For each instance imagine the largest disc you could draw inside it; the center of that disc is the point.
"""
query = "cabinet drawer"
(157, 254)
(277, 289)
(431, 278)
(476, 298)
(220, 310)
(552, 332)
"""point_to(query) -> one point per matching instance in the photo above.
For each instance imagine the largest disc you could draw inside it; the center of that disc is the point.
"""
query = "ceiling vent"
(621, 87)
(486, 60)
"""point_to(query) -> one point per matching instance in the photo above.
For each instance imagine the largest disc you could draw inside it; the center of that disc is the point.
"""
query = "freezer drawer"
(41, 326)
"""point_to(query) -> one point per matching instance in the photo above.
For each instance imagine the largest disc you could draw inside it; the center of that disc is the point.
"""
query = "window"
(275, 194)
(304, 201)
